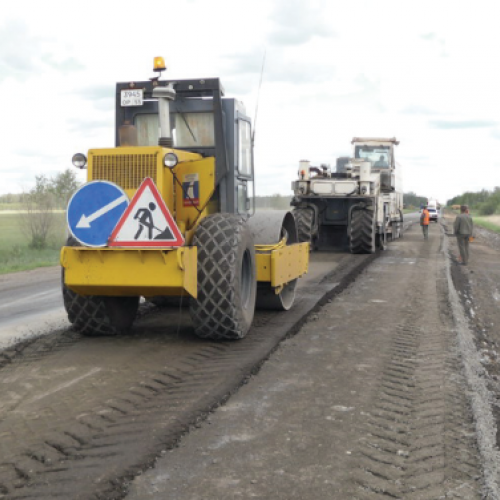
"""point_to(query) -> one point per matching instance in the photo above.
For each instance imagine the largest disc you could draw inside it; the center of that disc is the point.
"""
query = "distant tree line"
(280, 202)
(484, 201)
(412, 200)
(273, 202)
(11, 198)
(58, 188)
(39, 204)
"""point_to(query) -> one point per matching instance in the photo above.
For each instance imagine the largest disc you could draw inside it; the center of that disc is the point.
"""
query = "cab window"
(379, 156)
(244, 148)
(189, 130)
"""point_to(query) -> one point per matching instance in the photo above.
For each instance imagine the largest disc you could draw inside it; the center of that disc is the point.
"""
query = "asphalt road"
(30, 303)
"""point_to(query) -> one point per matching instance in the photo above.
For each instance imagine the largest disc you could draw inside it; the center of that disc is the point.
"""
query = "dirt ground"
(478, 286)
(376, 397)
(388, 390)
(80, 416)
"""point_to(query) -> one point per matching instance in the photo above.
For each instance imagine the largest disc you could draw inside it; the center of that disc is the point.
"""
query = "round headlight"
(170, 160)
(79, 160)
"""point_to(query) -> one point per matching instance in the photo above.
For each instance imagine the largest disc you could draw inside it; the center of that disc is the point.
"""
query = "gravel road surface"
(369, 400)
(385, 388)
(80, 416)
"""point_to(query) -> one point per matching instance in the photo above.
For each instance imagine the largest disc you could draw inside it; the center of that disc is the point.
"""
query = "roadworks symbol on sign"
(146, 222)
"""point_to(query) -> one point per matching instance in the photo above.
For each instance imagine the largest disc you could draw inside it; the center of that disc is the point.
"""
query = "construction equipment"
(184, 156)
(359, 205)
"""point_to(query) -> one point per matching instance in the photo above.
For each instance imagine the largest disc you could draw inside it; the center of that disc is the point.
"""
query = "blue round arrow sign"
(94, 210)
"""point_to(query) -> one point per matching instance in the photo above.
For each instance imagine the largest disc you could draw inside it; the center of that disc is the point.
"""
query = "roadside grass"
(15, 253)
(490, 222)
(487, 224)
(11, 206)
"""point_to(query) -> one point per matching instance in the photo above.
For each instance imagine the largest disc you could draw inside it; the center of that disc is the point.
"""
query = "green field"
(11, 206)
(487, 224)
(491, 222)
(15, 253)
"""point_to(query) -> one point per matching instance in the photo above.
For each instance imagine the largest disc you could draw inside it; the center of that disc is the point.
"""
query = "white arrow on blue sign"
(94, 210)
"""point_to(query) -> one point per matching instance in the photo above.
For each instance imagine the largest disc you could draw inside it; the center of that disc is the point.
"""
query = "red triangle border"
(179, 239)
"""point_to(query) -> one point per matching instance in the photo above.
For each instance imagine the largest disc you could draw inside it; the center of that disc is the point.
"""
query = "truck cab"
(201, 121)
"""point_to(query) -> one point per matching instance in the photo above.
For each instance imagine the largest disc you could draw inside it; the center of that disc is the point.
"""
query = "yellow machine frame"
(148, 272)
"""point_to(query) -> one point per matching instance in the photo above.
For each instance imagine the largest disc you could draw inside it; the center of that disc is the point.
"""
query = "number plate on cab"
(132, 97)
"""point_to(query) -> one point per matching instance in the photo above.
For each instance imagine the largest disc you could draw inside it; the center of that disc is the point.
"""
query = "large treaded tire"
(304, 218)
(362, 231)
(227, 281)
(96, 315)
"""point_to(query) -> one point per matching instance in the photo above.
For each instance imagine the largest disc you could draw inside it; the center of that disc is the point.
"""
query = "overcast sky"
(426, 72)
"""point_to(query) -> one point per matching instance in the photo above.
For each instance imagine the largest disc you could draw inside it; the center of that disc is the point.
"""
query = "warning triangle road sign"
(146, 222)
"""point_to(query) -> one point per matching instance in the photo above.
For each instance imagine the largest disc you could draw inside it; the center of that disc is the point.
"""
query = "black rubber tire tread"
(220, 311)
(97, 315)
(305, 221)
(362, 233)
(66, 292)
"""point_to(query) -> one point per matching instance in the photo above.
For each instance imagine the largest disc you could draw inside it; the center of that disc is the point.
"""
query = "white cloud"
(422, 71)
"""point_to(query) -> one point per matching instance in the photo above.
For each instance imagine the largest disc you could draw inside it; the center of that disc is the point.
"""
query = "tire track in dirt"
(90, 442)
(473, 336)
(419, 443)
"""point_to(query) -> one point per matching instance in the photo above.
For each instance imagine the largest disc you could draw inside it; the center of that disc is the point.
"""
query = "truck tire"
(362, 231)
(227, 278)
(305, 223)
(97, 315)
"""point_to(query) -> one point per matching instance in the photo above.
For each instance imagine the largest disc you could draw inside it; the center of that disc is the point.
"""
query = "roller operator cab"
(359, 205)
(169, 212)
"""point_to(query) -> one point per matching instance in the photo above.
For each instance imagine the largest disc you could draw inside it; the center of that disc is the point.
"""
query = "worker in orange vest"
(424, 222)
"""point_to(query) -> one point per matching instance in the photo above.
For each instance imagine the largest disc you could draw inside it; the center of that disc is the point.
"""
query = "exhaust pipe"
(164, 95)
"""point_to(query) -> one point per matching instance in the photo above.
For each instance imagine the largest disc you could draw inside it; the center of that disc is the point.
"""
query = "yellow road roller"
(170, 212)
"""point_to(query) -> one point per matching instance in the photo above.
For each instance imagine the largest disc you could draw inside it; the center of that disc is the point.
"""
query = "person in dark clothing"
(463, 228)
(381, 162)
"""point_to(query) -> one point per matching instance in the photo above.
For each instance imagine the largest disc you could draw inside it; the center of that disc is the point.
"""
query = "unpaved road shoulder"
(478, 286)
(367, 401)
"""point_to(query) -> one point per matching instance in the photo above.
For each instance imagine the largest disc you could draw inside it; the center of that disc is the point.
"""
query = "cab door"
(244, 178)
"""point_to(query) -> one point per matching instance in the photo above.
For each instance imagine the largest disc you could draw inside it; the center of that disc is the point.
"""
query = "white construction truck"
(360, 205)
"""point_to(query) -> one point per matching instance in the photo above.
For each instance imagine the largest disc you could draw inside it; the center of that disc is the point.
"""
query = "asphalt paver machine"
(359, 206)
(185, 225)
